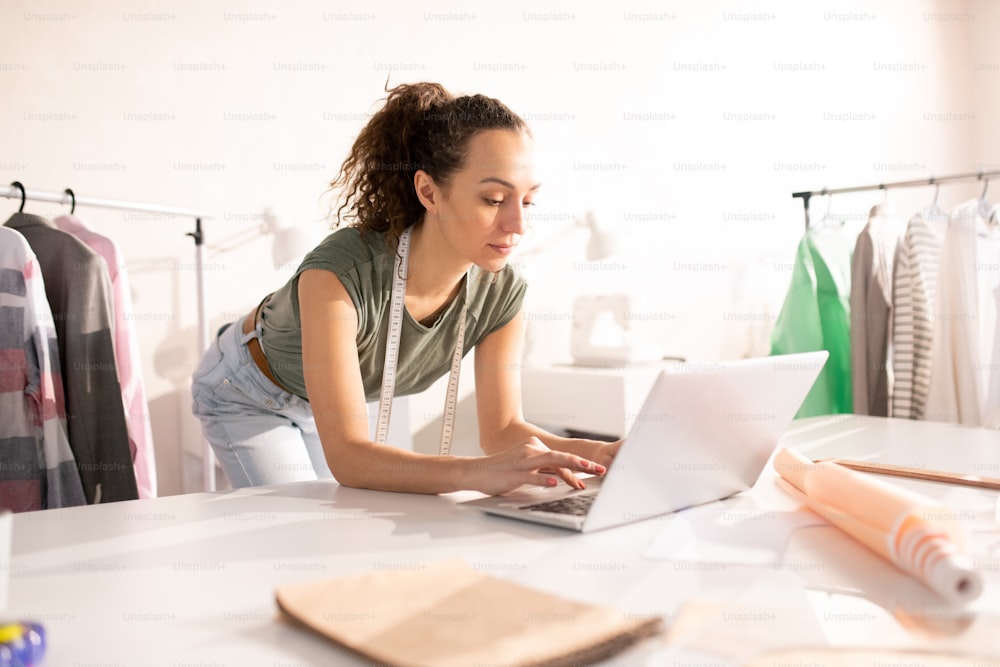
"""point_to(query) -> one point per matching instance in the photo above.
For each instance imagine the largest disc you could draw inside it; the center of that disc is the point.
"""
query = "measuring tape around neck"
(396, 306)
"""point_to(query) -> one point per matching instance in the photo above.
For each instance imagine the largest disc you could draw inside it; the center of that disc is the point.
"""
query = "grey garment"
(871, 318)
(364, 265)
(79, 294)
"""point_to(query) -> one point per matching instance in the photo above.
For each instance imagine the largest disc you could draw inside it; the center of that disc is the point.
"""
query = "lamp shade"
(600, 242)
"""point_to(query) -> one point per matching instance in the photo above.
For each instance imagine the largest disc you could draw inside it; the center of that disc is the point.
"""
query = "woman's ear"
(426, 189)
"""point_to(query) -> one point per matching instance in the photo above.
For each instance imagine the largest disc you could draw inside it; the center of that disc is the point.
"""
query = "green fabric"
(816, 315)
(364, 266)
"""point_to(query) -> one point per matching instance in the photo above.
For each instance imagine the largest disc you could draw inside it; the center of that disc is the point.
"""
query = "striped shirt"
(914, 286)
(37, 467)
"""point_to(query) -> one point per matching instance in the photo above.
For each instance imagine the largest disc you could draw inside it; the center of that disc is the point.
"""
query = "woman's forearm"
(368, 465)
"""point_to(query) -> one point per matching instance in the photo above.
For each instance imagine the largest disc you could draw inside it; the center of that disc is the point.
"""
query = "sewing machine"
(602, 335)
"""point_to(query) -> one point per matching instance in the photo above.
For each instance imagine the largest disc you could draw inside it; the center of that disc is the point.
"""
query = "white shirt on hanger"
(965, 320)
(988, 271)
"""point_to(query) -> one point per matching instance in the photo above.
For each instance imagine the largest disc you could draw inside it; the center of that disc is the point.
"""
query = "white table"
(189, 580)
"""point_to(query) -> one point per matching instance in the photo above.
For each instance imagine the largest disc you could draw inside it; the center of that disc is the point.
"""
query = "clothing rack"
(933, 180)
(69, 198)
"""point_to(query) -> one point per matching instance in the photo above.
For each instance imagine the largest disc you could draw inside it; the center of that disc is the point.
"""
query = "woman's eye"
(493, 202)
(528, 203)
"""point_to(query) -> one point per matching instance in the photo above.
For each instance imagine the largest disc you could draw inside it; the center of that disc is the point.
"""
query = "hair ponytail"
(421, 126)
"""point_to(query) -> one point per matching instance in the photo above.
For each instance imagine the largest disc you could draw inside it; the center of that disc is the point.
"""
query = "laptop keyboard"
(575, 505)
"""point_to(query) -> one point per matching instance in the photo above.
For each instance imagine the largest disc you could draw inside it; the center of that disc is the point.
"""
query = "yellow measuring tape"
(392, 354)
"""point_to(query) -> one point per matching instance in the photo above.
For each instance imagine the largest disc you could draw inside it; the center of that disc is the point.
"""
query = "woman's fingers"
(533, 463)
(564, 465)
(540, 479)
(553, 460)
(571, 479)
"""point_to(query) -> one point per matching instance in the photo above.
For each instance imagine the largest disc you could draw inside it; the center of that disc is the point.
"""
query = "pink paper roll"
(914, 532)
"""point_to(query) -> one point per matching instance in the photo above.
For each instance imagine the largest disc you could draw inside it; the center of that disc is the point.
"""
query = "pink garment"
(140, 432)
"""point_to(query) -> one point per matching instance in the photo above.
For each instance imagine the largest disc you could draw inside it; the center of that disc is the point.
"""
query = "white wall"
(686, 125)
(985, 86)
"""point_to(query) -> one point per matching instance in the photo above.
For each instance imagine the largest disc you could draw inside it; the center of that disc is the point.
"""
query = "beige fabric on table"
(448, 614)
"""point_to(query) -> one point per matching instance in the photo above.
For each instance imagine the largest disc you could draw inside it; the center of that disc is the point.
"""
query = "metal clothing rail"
(68, 197)
(933, 180)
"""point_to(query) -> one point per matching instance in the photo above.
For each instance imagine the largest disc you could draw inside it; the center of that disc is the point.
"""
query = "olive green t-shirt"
(364, 264)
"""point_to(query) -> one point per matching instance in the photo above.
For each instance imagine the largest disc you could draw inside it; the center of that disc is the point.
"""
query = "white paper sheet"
(734, 533)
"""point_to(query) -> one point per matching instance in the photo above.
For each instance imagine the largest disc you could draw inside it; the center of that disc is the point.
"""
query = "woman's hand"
(605, 452)
(598, 451)
(530, 462)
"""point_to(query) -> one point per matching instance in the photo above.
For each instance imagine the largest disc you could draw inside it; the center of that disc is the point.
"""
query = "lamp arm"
(550, 242)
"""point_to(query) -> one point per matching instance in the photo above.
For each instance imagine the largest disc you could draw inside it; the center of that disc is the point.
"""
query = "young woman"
(435, 189)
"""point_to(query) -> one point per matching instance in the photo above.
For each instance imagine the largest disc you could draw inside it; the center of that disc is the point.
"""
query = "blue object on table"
(22, 644)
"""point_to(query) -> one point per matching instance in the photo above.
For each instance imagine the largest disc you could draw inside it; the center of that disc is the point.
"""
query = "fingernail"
(551, 481)
(584, 464)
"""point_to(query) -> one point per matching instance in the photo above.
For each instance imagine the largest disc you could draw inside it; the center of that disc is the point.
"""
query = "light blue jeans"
(260, 433)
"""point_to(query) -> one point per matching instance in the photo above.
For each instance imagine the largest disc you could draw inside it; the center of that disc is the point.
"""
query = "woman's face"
(481, 212)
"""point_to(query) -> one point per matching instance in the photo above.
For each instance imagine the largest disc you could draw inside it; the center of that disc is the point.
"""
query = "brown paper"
(447, 613)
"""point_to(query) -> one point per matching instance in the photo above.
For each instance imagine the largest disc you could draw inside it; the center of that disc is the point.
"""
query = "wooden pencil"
(919, 473)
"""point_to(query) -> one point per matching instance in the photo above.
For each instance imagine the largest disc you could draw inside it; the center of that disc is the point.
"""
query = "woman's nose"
(515, 221)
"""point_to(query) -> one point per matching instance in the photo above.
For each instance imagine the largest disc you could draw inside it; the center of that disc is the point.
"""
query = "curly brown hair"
(421, 126)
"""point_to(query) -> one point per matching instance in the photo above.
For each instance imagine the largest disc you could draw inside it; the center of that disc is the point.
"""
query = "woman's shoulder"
(346, 247)
(351, 239)
(508, 281)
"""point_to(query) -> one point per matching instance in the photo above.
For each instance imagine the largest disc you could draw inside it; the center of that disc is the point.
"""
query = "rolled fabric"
(914, 532)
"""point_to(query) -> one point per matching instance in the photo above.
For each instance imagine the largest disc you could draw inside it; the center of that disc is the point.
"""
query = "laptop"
(704, 433)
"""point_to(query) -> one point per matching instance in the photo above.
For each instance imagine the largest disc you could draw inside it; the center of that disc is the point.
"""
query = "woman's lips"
(502, 249)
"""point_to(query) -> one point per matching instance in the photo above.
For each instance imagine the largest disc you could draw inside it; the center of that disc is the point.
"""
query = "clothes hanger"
(24, 195)
(828, 221)
(933, 211)
(883, 209)
(72, 200)
(984, 203)
(984, 212)
(990, 215)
